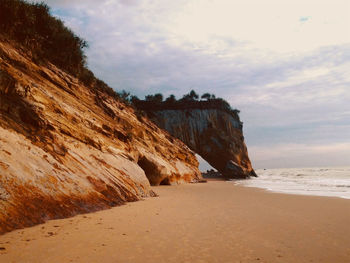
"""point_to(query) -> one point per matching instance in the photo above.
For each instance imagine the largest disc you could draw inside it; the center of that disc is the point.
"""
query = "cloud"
(129, 2)
(289, 78)
(67, 3)
(304, 18)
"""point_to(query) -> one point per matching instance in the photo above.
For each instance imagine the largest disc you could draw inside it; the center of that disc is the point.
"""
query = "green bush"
(188, 101)
(32, 26)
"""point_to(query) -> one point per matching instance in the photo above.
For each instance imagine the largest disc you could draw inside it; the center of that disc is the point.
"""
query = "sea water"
(333, 182)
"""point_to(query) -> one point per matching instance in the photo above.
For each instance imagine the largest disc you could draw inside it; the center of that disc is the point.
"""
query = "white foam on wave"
(323, 181)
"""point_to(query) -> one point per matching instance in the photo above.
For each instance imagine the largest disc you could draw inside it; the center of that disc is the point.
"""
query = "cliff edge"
(66, 148)
(212, 131)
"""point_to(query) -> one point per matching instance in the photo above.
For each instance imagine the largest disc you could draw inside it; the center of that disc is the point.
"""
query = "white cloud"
(273, 25)
(284, 64)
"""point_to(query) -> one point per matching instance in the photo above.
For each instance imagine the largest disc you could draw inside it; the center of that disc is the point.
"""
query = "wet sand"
(210, 222)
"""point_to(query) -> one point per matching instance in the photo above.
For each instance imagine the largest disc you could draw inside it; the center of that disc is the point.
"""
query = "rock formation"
(212, 132)
(68, 149)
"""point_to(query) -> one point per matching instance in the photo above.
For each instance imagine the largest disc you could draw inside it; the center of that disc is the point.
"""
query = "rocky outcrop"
(68, 149)
(215, 134)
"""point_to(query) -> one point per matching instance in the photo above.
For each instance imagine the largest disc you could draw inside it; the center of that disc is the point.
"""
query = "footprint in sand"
(49, 234)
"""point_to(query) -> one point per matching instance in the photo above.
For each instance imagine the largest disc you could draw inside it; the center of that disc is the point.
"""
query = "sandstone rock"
(234, 169)
(65, 149)
(215, 134)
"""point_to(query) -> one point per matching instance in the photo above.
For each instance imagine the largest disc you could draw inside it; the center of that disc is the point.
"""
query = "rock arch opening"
(213, 133)
(203, 164)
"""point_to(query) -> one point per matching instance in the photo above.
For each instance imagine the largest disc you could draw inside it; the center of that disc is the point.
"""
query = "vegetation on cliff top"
(43, 35)
(32, 27)
(46, 39)
(188, 101)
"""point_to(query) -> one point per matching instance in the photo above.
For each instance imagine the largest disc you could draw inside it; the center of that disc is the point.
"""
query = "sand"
(213, 222)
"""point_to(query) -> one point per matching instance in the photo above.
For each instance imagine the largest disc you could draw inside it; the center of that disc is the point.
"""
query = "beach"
(216, 221)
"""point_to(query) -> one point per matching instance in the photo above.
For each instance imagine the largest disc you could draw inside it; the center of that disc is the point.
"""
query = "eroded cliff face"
(214, 134)
(65, 149)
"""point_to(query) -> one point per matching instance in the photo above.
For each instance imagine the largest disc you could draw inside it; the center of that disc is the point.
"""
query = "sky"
(285, 64)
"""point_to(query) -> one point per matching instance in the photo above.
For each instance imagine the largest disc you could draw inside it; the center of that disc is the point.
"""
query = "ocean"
(326, 181)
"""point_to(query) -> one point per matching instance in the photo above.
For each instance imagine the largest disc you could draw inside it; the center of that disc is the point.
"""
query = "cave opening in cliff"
(148, 167)
(165, 181)
(152, 172)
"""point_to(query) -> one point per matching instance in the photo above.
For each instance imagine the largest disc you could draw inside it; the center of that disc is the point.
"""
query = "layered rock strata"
(215, 134)
(67, 149)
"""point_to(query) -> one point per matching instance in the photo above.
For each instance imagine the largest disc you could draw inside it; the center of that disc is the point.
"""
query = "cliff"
(213, 132)
(66, 148)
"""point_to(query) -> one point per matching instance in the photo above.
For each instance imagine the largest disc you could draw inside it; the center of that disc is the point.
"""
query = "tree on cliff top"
(206, 96)
(188, 101)
(156, 98)
(192, 96)
(171, 99)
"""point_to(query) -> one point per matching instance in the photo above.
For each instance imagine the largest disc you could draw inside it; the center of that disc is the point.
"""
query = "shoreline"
(213, 222)
(234, 182)
(309, 181)
(288, 193)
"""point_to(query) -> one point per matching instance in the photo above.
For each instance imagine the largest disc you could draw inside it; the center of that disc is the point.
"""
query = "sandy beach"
(211, 222)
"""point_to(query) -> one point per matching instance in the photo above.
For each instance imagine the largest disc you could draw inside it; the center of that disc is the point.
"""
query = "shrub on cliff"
(192, 96)
(31, 26)
(156, 98)
(171, 100)
(45, 36)
(188, 101)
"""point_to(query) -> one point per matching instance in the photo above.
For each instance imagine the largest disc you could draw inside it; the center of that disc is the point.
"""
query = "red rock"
(214, 134)
(65, 149)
